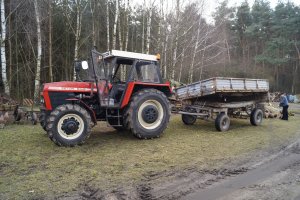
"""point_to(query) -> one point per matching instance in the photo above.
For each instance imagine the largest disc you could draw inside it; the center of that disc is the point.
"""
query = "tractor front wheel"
(69, 125)
(43, 119)
(148, 114)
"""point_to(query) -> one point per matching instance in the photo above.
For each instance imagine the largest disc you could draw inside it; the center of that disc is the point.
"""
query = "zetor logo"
(69, 89)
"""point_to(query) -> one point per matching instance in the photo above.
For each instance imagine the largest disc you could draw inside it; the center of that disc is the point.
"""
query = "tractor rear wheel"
(69, 125)
(148, 114)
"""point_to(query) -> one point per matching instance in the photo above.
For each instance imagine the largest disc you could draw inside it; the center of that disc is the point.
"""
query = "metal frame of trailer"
(219, 98)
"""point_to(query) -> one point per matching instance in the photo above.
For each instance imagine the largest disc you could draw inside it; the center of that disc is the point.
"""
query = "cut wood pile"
(11, 112)
(275, 96)
(7, 103)
(271, 110)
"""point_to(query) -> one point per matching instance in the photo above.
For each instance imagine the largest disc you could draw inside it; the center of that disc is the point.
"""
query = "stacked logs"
(271, 111)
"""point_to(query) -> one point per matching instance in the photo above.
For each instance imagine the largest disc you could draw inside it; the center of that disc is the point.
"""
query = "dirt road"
(275, 178)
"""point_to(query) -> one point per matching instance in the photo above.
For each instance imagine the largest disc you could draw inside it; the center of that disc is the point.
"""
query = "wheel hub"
(150, 114)
(70, 126)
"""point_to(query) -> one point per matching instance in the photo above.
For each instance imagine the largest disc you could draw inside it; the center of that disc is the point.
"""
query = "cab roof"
(132, 55)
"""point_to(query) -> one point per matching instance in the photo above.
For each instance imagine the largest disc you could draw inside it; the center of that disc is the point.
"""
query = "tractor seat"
(117, 91)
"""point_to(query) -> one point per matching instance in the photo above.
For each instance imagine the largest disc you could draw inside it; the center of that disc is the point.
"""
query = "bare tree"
(149, 28)
(127, 10)
(77, 32)
(107, 25)
(39, 53)
(3, 53)
(176, 40)
(115, 25)
(92, 9)
(50, 41)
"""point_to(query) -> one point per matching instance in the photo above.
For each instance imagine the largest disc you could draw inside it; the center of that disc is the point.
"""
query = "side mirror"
(84, 65)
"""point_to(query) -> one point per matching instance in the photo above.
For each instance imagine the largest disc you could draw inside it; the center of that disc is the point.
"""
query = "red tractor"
(137, 101)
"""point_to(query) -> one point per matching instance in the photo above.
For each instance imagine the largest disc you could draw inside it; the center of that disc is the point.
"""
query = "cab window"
(146, 72)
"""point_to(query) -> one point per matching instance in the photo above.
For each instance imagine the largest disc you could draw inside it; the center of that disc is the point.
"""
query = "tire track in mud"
(282, 161)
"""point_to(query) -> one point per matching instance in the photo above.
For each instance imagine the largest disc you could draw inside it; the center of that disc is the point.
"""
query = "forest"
(40, 39)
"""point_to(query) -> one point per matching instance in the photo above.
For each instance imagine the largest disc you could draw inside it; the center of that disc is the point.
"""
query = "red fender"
(92, 113)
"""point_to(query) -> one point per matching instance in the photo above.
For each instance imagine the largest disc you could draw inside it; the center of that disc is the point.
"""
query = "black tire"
(113, 122)
(43, 119)
(79, 120)
(222, 122)
(256, 117)
(188, 119)
(34, 119)
(148, 114)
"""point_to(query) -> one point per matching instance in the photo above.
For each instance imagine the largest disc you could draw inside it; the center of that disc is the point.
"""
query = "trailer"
(220, 98)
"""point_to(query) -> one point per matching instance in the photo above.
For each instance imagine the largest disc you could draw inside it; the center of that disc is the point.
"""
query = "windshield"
(104, 68)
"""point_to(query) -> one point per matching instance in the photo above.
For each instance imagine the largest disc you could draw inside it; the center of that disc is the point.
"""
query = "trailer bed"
(222, 85)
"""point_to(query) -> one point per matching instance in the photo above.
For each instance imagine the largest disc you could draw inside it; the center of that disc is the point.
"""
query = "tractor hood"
(69, 86)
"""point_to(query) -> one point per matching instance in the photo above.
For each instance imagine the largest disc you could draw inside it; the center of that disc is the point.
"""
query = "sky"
(210, 5)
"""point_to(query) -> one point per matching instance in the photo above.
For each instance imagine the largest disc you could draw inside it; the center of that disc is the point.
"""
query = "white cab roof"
(127, 54)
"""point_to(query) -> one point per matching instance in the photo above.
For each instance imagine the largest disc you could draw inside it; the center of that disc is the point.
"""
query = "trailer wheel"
(222, 122)
(43, 120)
(69, 125)
(188, 119)
(33, 118)
(148, 114)
(256, 117)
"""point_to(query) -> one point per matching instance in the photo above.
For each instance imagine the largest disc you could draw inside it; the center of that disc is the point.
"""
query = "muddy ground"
(272, 173)
(187, 162)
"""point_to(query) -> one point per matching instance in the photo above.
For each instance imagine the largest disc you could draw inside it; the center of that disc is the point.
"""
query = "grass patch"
(31, 166)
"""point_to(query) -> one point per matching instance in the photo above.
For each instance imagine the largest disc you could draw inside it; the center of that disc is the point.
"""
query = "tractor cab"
(113, 71)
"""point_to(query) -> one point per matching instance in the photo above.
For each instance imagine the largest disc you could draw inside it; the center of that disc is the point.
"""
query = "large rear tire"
(256, 117)
(69, 125)
(222, 122)
(148, 114)
(188, 119)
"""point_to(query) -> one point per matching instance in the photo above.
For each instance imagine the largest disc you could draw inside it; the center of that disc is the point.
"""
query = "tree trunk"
(191, 71)
(296, 68)
(127, 26)
(39, 54)
(92, 8)
(176, 42)
(181, 65)
(77, 35)
(143, 27)
(3, 53)
(149, 31)
(115, 25)
(50, 41)
(202, 62)
(120, 36)
(107, 25)
(165, 53)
